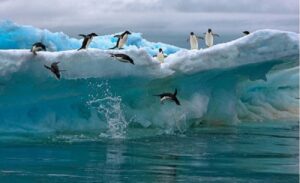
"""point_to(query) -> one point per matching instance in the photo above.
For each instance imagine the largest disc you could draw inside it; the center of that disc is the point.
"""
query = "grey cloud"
(242, 6)
(152, 15)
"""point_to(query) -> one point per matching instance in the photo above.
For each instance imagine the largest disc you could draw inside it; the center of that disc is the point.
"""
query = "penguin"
(168, 96)
(54, 69)
(122, 57)
(122, 39)
(87, 40)
(194, 41)
(246, 32)
(209, 38)
(160, 56)
(37, 47)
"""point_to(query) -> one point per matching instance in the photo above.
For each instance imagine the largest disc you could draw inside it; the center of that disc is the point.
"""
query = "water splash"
(110, 107)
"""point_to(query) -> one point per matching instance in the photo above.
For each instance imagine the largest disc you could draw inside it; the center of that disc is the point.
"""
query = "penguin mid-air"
(37, 47)
(122, 39)
(87, 40)
(194, 41)
(54, 69)
(168, 96)
(209, 38)
(122, 57)
(161, 56)
(246, 32)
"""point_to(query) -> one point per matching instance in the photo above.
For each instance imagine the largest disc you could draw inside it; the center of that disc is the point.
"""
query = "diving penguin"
(194, 41)
(37, 47)
(54, 69)
(169, 96)
(87, 40)
(209, 38)
(122, 39)
(122, 57)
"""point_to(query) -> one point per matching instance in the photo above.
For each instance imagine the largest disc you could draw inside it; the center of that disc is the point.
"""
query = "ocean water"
(238, 120)
(250, 152)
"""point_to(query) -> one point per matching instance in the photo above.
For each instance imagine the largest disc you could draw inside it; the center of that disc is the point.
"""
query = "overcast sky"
(153, 16)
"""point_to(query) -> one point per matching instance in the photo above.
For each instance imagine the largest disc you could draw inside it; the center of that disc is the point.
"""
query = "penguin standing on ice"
(194, 41)
(209, 38)
(161, 56)
(37, 47)
(54, 69)
(122, 39)
(87, 40)
(168, 96)
(122, 57)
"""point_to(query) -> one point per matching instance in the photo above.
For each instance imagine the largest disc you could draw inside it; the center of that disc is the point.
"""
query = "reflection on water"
(114, 160)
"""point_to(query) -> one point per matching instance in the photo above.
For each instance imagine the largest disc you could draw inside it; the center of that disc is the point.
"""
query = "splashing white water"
(110, 107)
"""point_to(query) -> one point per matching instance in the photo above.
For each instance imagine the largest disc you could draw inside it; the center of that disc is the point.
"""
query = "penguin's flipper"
(216, 35)
(47, 67)
(118, 36)
(176, 101)
(175, 93)
(82, 35)
(199, 37)
(113, 47)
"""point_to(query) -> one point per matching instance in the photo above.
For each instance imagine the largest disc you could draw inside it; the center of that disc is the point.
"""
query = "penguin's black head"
(192, 33)
(127, 32)
(209, 30)
(93, 34)
(246, 32)
(130, 60)
(160, 50)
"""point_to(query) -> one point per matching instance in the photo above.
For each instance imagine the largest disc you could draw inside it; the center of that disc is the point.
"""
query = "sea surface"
(247, 152)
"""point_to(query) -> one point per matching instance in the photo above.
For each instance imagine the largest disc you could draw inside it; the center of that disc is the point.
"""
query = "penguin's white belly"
(209, 39)
(121, 59)
(36, 48)
(165, 98)
(193, 42)
(160, 57)
(88, 42)
(122, 41)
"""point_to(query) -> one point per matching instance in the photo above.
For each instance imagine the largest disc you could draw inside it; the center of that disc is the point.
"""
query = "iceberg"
(253, 78)
(14, 36)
